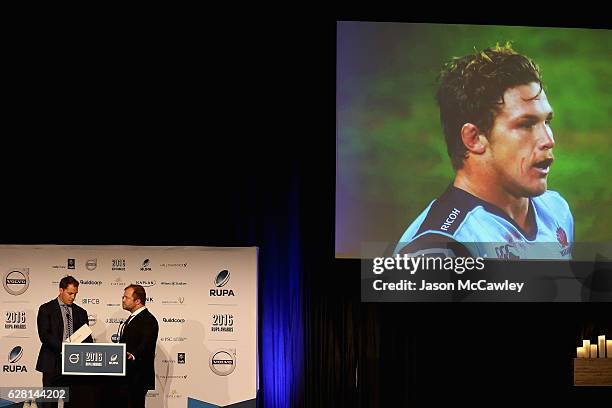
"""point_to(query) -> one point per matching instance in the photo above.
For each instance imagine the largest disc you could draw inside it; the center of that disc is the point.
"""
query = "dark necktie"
(69, 327)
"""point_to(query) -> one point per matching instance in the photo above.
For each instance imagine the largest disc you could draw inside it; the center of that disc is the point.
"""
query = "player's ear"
(473, 139)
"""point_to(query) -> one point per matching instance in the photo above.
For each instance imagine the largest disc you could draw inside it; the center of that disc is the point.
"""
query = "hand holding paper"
(80, 335)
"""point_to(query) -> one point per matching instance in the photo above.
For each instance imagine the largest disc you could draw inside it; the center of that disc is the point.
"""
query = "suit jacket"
(140, 338)
(50, 325)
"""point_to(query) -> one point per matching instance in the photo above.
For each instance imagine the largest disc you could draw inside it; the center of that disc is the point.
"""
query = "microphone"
(116, 336)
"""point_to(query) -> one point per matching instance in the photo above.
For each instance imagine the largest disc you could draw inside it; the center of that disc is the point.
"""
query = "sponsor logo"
(170, 361)
(74, 358)
(152, 394)
(505, 252)
(16, 281)
(173, 283)
(178, 301)
(222, 362)
(145, 265)
(150, 300)
(113, 360)
(222, 323)
(15, 320)
(181, 358)
(174, 394)
(221, 280)
(172, 339)
(90, 301)
(145, 283)
(93, 319)
(113, 304)
(114, 320)
(173, 265)
(91, 264)
(177, 377)
(118, 282)
(450, 219)
(562, 238)
(15, 354)
(90, 282)
(173, 320)
(71, 263)
(13, 357)
(115, 338)
(221, 292)
(118, 264)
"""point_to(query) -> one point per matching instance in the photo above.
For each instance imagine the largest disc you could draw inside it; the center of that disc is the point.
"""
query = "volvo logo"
(91, 264)
(16, 281)
(222, 362)
(74, 358)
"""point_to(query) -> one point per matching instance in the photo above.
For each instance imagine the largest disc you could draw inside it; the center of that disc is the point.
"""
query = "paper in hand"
(80, 335)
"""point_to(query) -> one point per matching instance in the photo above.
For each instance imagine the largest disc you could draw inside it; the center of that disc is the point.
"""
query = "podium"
(93, 359)
(593, 372)
(96, 373)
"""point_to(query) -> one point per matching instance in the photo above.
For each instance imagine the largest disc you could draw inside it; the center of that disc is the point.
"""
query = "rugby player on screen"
(496, 120)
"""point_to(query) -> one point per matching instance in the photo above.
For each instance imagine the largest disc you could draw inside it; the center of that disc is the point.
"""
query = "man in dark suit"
(57, 320)
(139, 333)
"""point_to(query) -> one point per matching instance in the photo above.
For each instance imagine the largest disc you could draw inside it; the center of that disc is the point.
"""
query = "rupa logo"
(145, 265)
(14, 356)
(114, 360)
(220, 281)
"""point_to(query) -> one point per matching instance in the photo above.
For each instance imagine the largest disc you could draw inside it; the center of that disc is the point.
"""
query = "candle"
(601, 345)
(580, 352)
(593, 350)
(587, 348)
(609, 348)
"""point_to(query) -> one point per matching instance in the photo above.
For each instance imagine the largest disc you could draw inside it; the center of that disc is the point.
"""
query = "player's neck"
(517, 208)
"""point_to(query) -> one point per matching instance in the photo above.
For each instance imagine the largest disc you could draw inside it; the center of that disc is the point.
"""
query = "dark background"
(190, 135)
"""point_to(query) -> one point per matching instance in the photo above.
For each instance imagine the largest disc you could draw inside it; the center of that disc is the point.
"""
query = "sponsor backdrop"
(205, 300)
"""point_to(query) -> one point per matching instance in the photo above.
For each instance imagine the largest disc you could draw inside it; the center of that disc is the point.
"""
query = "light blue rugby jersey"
(484, 230)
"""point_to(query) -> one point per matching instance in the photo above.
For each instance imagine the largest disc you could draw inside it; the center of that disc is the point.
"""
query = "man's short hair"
(471, 90)
(139, 293)
(68, 280)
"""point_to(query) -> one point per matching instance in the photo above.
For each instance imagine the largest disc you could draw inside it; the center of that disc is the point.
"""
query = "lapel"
(60, 322)
(127, 327)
